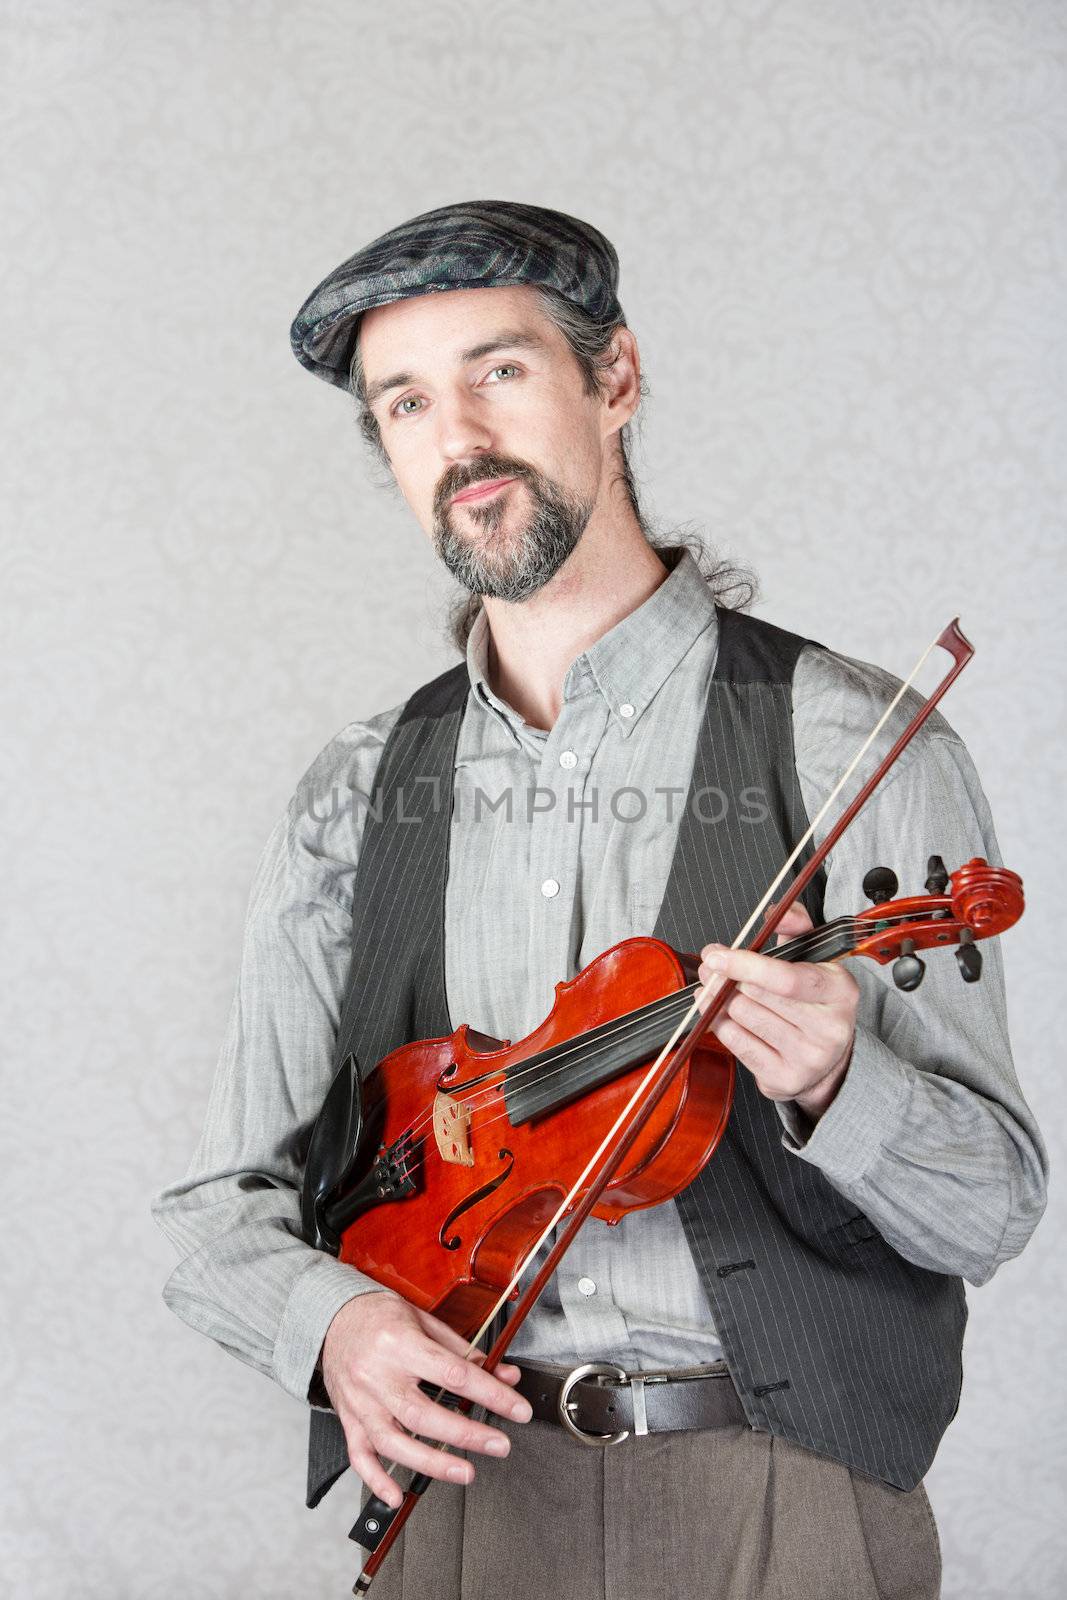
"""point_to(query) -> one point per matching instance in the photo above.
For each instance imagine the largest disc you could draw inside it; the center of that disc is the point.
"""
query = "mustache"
(484, 472)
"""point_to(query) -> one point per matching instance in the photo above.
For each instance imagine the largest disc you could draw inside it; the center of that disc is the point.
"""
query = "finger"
(796, 980)
(366, 1466)
(785, 1005)
(421, 1415)
(461, 1377)
(507, 1371)
(811, 1017)
(821, 1033)
(446, 1335)
(775, 1078)
(795, 921)
(761, 1059)
(766, 1023)
(455, 1341)
(389, 1441)
(463, 1344)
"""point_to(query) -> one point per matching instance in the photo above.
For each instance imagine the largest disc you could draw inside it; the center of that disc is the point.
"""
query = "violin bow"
(379, 1525)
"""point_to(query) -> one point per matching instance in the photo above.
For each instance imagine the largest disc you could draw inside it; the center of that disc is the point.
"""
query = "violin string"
(598, 1042)
(593, 1042)
(580, 1044)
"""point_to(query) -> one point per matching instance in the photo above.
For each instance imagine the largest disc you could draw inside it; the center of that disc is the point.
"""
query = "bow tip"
(955, 641)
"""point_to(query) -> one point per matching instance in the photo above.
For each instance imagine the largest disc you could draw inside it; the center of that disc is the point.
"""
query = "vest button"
(549, 888)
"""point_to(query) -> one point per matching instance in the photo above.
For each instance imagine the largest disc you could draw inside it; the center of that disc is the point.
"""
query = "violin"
(461, 1149)
(444, 1174)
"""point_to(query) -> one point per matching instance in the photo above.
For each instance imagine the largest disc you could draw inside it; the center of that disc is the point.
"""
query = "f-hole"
(474, 1199)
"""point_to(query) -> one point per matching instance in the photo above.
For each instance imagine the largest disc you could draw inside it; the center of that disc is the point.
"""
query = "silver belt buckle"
(565, 1405)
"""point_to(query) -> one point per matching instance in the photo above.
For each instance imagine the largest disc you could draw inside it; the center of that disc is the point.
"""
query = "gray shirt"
(561, 843)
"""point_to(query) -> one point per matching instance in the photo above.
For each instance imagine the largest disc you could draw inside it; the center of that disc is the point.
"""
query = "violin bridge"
(452, 1130)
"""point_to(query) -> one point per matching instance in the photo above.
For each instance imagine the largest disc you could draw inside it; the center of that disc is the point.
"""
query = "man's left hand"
(792, 1024)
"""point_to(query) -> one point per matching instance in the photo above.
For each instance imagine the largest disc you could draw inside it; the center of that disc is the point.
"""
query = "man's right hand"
(376, 1350)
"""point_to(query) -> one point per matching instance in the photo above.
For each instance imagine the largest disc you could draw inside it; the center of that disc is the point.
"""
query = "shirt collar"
(629, 664)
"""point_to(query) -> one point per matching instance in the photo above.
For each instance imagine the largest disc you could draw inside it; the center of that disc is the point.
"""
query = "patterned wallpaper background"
(842, 233)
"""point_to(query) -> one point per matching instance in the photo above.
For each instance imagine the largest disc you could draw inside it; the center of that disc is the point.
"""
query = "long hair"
(592, 344)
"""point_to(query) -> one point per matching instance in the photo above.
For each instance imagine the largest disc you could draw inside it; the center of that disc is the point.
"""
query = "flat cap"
(475, 245)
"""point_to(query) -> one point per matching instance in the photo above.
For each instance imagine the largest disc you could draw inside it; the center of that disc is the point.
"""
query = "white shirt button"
(626, 710)
(549, 888)
(586, 1286)
(568, 759)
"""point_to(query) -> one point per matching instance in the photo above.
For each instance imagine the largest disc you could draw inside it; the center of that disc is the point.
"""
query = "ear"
(621, 380)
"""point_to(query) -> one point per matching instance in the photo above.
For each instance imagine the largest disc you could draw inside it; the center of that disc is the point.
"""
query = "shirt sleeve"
(246, 1278)
(929, 1133)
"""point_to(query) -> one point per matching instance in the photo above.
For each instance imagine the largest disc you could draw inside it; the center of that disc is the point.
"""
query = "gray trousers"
(726, 1514)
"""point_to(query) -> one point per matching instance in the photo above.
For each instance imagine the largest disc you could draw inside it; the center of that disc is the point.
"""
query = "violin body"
(438, 1173)
(488, 1143)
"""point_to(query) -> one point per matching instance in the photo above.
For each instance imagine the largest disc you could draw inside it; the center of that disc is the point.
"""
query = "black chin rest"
(332, 1154)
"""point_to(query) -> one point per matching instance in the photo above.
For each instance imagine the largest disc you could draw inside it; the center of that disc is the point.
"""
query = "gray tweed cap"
(474, 245)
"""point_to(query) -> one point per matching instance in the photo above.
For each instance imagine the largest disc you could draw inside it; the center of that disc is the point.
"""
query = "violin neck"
(541, 1084)
(828, 942)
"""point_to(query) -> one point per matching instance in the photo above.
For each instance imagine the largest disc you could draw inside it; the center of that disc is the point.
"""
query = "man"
(618, 755)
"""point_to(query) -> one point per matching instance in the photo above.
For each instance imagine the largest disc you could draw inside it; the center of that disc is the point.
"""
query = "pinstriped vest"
(833, 1340)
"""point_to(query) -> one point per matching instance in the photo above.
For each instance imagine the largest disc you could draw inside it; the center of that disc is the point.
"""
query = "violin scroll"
(986, 899)
(976, 902)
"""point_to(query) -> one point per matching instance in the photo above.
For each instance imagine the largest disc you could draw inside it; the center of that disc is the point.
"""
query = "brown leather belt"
(603, 1404)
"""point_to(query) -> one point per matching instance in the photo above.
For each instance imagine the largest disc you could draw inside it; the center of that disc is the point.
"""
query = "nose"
(462, 425)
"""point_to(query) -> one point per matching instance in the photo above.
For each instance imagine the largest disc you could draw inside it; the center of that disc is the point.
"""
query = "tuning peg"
(969, 957)
(880, 884)
(908, 969)
(936, 876)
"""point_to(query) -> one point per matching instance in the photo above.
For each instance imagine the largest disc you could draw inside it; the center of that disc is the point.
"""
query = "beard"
(511, 566)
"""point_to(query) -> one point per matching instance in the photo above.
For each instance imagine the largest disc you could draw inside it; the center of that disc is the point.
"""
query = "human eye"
(395, 411)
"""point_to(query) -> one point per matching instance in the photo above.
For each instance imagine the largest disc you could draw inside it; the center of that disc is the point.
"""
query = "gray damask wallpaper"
(842, 233)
